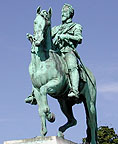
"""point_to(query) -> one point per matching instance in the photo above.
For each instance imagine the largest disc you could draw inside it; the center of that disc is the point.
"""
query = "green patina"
(55, 70)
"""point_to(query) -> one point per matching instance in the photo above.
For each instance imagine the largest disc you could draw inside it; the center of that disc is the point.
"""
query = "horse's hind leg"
(66, 108)
(91, 119)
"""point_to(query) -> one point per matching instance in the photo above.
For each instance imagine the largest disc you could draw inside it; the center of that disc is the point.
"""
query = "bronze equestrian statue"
(56, 71)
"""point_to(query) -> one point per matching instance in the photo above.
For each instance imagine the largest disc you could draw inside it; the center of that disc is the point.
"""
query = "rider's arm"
(77, 36)
(54, 31)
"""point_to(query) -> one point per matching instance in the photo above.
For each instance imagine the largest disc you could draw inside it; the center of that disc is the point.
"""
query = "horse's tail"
(91, 78)
(90, 103)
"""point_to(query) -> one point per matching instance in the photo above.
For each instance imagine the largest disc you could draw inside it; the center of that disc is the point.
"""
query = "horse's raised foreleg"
(41, 98)
(49, 87)
(43, 108)
(91, 119)
(66, 108)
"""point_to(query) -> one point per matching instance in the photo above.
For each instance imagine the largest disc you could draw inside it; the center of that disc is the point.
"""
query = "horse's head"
(41, 23)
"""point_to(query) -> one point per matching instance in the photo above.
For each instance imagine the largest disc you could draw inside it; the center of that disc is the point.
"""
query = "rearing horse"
(49, 75)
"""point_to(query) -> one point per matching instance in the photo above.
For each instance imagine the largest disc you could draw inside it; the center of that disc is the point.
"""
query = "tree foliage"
(106, 135)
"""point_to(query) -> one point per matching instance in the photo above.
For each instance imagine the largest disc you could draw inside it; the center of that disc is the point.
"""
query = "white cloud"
(108, 88)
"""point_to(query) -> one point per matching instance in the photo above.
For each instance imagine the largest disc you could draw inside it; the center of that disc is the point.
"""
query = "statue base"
(41, 140)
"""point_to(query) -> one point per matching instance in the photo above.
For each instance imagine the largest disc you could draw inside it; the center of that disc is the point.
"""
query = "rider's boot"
(74, 79)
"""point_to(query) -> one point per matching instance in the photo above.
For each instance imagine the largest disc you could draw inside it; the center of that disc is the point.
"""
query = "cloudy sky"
(98, 52)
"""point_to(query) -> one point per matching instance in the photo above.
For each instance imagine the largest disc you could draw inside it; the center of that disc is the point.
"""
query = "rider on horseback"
(67, 36)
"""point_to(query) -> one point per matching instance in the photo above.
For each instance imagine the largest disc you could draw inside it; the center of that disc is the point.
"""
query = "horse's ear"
(38, 10)
(50, 12)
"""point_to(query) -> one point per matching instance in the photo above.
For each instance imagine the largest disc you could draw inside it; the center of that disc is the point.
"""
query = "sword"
(84, 69)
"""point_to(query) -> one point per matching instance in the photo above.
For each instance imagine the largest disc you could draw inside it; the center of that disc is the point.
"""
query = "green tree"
(106, 135)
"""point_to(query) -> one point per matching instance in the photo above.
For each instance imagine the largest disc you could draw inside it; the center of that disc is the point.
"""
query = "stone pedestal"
(41, 140)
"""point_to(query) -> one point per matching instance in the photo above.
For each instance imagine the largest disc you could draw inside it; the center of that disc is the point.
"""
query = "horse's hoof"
(60, 134)
(43, 133)
(51, 117)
